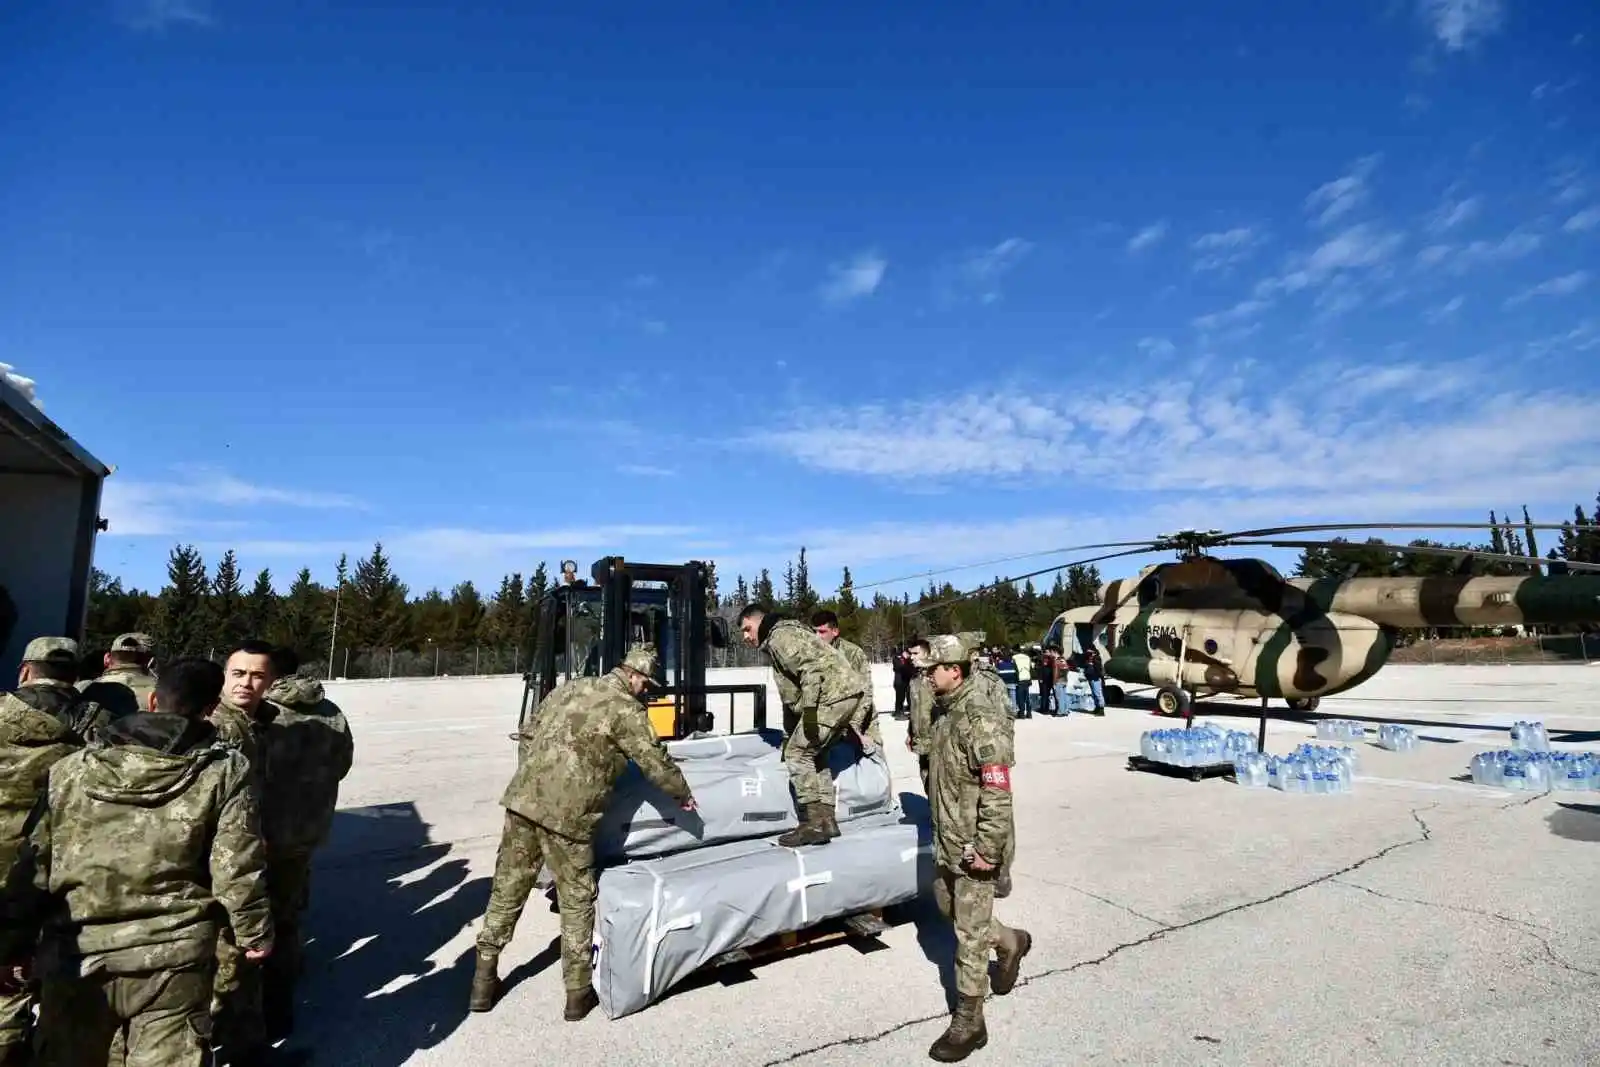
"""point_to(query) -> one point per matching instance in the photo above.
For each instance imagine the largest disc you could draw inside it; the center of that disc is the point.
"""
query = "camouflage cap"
(947, 648)
(138, 644)
(973, 639)
(51, 650)
(643, 658)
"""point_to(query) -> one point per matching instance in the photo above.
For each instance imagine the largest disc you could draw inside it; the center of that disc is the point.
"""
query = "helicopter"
(1204, 626)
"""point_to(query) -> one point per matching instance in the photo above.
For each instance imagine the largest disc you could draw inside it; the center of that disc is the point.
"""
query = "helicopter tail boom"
(1452, 600)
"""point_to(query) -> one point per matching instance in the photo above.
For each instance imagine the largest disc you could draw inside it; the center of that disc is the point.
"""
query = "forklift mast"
(660, 604)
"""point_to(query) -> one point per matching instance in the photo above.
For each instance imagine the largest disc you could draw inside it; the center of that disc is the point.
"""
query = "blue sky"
(910, 285)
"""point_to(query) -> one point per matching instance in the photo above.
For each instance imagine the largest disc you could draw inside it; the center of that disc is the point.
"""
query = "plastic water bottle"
(1529, 737)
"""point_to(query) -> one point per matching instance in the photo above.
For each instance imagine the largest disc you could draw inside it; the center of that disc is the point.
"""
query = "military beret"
(642, 658)
(51, 650)
(947, 648)
(141, 644)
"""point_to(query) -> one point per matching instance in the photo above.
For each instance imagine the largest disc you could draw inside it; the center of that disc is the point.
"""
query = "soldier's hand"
(978, 863)
(911, 746)
(256, 955)
(15, 977)
(690, 805)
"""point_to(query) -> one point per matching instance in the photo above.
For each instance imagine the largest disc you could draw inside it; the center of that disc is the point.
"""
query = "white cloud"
(1223, 249)
(200, 501)
(1460, 24)
(1336, 432)
(1148, 237)
(1583, 221)
(644, 470)
(1453, 213)
(1157, 347)
(157, 15)
(980, 272)
(24, 385)
(1334, 200)
(1459, 259)
(1359, 248)
(1237, 315)
(1445, 311)
(858, 278)
(1565, 285)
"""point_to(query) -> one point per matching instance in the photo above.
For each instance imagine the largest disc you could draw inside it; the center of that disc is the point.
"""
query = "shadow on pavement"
(1576, 822)
(382, 905)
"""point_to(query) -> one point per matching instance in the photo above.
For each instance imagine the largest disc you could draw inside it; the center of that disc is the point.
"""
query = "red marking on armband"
(997, 775)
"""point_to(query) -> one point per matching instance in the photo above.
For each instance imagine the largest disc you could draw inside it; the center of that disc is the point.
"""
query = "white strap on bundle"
(659, 933)
(909, 854)
(806, 881)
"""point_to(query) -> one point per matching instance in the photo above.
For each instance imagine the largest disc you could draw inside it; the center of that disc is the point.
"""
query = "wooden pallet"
(1194, 774)
(859, 927)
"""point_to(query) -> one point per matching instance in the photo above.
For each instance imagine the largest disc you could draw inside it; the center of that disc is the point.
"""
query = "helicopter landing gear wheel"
(1172, 701)
(1304, 703)
(1114, 696)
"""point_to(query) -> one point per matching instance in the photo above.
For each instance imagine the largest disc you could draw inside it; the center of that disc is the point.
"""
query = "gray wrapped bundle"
(742, 790)
(657, 921)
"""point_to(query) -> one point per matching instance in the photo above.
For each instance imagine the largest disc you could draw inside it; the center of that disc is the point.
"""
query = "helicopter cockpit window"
(1052, 636)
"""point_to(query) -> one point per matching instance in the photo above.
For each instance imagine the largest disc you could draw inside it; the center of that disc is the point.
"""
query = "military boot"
(809, 832)
(1012, 946)
(485, 983)
(830, 822)
(965, 1034)
(580, 1002)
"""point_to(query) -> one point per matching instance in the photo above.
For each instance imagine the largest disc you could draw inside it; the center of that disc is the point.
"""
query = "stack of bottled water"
(1253, 769)
(1397, 738)
(1312, 769)
(1340, 730)
(1529, 737)
(1537, 770)
(1199, 747)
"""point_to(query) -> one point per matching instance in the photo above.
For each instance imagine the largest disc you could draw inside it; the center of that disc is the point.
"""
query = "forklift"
(586, 627)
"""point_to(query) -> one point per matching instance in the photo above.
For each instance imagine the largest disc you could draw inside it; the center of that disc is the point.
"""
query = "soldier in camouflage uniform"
(571, 753)
(125, 684)
(143, 840)
(987, 678)
(309, 750)
(973, 834)
(865, 724)
(919, 731)
(242, 718)
(821, 694)
(34, 735)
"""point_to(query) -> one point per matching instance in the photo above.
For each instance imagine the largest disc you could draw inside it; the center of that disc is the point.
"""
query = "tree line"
(367, 620)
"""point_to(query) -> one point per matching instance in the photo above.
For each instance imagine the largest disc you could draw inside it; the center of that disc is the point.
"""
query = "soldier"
(142, 841)
(572, 751)
(919, 731)
(242, 719)
(126, 682)
(865, 724)
(973, 834)
(820, 695)
(309, 750)
(45, 682)
(32, 739)
(987, 678)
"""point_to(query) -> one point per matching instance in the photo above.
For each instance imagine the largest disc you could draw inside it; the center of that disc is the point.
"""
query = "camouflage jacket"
(857, 658)
(144, 833)
(236, 727)
(970, 777)
(107, 690)
(31, 741)
(809, 673)
(574, 748)
(76, 711)
(309, 750)
(925, 711)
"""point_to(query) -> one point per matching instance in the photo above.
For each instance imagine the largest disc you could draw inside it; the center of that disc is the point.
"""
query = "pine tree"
(763, 592)
(741, 592)
(431, 619)
(466, 616)
(713, 601)
(848, 608)
(182, 627)
(789, 588)
(261, 606)
(375, 605)
(301, 621)
(1497, 536)
(538, 586)
(506, 613)
(805, 599)
(229, 619)
(1533, 544)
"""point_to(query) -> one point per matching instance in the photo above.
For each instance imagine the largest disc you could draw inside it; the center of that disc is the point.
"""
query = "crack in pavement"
(1116, 950)
(1524, 802)
(1104, 900)
(1534, 930)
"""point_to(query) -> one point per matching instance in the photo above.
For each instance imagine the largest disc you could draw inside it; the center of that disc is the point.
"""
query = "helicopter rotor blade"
(1326, 527)
(921, 609)
(1152, 545)
(1425, 550)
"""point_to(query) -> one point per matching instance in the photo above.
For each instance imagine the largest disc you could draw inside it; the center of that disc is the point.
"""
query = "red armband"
(997, 775)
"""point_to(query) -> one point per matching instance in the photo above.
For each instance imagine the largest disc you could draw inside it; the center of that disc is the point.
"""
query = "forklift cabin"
(585, 629)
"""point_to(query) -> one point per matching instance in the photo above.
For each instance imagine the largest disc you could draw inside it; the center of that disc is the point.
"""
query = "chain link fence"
(1501, 651)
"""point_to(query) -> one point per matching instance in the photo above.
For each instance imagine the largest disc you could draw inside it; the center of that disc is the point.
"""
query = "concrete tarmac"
(1419, 919)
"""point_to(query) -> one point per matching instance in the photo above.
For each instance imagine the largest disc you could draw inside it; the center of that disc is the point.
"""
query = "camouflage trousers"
(159, 1019)
(16, 1019)
(236, 1002)
(805, 751)
(525, 846)
(967, 900)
